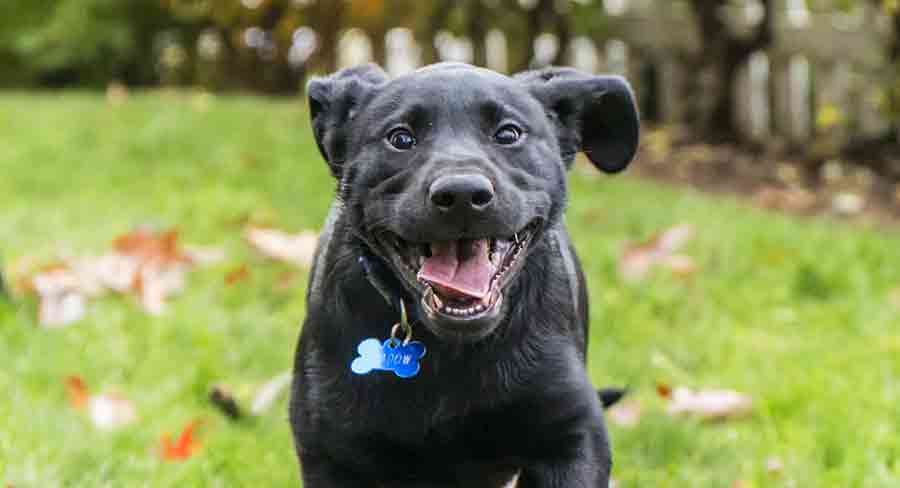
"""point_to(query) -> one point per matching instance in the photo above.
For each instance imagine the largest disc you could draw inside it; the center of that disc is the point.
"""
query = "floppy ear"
(333, 102)
(594, 114)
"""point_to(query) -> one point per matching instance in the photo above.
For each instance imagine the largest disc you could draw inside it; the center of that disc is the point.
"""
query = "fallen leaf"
(110, 411)
(626, 413)
(680, 265)
(158, 266)
(114, 272)
(147, 246)
(155, 284)
(204, 256)
(663, 390)
(741, 484)
(269, 392)
(241, 273)
(222, 398)
(61, 301)
(285, 280)
(638, 258)
(185, 446)
(774, 466)
(151, 265)
(709, 404)
(116, 93)
(107, 411)
(848, 203)
(77, 391)
(297, 249)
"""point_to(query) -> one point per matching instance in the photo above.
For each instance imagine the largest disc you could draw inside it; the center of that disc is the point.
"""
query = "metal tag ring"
(402, 325)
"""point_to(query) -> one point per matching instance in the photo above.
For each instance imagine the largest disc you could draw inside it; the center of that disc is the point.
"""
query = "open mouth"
(461, 280)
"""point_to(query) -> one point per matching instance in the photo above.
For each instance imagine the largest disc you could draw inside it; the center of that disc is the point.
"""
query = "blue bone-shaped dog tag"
(391, 355)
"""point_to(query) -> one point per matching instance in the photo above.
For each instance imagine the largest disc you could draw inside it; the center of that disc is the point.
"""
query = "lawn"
(800, 314)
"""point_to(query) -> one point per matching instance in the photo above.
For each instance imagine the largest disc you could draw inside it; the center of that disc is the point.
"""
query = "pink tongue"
(460, 266)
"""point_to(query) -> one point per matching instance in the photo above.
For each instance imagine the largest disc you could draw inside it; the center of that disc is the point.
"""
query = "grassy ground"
(797, 313)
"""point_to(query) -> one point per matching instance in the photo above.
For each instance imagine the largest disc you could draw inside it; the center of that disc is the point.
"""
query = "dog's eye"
(401, 139)
(508, 134)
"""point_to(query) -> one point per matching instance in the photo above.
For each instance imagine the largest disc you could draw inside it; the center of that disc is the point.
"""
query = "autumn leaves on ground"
(153, 306)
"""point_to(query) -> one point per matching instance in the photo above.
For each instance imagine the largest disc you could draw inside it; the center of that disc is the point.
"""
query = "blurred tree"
(430, 21)
(722, 52)
(64, 42)
(544, 16)
(892, 78)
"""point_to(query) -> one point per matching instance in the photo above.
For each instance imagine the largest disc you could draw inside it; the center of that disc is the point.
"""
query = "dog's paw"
(371, 357)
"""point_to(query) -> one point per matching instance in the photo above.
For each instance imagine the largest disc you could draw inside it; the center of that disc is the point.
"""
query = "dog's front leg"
(589, 468)
(318, 472)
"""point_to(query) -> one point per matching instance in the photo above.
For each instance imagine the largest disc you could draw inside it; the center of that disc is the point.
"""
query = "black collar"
(387, 285)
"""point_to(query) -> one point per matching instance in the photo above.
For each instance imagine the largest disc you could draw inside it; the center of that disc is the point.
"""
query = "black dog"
(452, 186)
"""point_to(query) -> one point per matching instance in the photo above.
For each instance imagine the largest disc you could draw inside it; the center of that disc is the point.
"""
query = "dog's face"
(452, 173)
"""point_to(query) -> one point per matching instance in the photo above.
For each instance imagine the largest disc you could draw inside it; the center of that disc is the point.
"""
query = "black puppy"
(452, 186)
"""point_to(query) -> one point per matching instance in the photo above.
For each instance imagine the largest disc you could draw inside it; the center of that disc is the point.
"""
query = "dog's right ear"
(333, 102)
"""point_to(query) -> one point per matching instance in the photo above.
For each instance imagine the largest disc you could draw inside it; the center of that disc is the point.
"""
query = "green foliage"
(87, 41)
(800, 314)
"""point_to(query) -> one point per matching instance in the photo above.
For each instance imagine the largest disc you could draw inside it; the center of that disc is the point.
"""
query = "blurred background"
(161, 196)
(815, 75)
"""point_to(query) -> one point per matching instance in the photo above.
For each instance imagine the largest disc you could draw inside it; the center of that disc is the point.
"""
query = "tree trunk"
(328, 18)
(722, 54)
(477, 31)
(434, 23)
(379, 44)
(563, 35)
(533, 27)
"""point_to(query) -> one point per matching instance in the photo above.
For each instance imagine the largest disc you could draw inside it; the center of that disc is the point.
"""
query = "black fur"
(501, 396)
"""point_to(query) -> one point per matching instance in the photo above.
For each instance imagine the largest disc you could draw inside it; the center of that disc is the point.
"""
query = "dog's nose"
(461, 192)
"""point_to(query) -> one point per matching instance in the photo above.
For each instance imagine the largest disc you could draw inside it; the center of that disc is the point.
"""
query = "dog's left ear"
(594, 114)
(333, 101)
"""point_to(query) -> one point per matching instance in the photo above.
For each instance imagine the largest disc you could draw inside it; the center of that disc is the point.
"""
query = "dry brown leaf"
(741, 484)
(286, 280)
(664, 390)
(182, 447)
(77, 391)
(241, 273)
(269, 392)
(297, 249)
(61, 301)
(709, 404)
(155, 284)
(150, 265)
(638, 258)
(626, 413)
(151, 247)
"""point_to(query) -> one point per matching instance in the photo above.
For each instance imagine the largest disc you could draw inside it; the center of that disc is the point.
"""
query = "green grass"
(795, 312)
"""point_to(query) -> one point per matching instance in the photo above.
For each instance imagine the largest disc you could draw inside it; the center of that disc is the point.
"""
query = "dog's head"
(452, 173)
